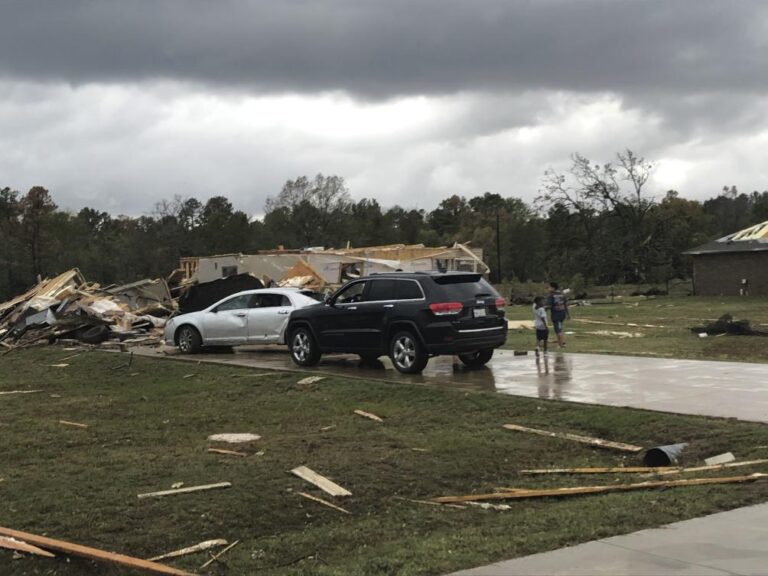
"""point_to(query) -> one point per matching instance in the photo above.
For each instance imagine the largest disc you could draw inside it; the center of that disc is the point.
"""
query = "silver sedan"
(250, 317)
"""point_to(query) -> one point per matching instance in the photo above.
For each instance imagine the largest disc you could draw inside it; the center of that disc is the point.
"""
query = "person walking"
(558, 311)
(540, 324)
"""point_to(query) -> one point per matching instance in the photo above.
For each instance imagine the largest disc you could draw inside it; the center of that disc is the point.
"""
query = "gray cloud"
(382, 49)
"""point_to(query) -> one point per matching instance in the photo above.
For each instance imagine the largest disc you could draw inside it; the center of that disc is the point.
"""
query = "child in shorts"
(540, 324)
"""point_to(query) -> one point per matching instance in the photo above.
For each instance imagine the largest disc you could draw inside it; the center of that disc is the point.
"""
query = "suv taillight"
(446, 308)
(500, 303)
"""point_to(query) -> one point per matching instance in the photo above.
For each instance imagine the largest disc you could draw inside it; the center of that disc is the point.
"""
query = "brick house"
(734, 265)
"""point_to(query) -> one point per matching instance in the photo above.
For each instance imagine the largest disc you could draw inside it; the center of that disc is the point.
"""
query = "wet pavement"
(725, 389)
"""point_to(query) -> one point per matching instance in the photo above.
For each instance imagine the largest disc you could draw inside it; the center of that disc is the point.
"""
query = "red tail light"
(500, 303)
(446, 308)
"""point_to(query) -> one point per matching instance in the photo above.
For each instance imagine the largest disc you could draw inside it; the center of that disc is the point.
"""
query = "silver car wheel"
(405, 351)
(185, 340)
(301, 346)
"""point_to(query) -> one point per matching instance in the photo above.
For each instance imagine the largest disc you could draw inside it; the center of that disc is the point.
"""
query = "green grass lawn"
(147, 429)
(674, 339)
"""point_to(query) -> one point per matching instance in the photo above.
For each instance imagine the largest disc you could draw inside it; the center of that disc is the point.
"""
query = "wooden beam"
(597, 442)
(75, 424)
(185, 490)
(320, 481)
(228, 452)
(368, 415)
(92, 553)
(325, 502)
(19, 392)
(220, 554)
(190, 549)
(662, 470)
(18, 545)
(514, 493)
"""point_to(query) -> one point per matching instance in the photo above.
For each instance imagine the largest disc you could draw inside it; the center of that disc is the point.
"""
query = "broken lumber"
(75, 424)
(320, 481)
(720, 459)
(91, 553)
(220, 554)
(227, 452)
(722, 466)
(186, 490)
(58, 365)
(517, 493)
(368, 415)
(310, 380)
(190, 549)
(661, 470)
(325, 502)
(234, 438)
(19, 546)
(19, 392)
(597, 442)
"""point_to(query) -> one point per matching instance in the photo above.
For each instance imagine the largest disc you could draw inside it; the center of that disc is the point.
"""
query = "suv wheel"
(304, 350)
(407, 353)
(189, 340)
(477, 359)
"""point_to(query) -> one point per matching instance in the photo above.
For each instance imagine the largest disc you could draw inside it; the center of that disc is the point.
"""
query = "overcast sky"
(117, 105)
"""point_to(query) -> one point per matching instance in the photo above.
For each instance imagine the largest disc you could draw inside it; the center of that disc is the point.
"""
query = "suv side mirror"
(329, 301)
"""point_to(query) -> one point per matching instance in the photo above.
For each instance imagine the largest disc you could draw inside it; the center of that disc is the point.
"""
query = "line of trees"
(592, 223)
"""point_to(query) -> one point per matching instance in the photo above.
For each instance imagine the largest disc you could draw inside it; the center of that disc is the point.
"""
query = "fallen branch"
(190, 549)
(516, 493)
(325, 502)
(186, 490)
(368, 415)
(320, 481)
(220, 554)
(227, 452)
(19, 546)
(92, 553)
(597, 442)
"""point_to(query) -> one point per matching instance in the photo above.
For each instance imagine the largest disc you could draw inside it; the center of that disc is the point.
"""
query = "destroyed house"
(318, 268)
(733, 265)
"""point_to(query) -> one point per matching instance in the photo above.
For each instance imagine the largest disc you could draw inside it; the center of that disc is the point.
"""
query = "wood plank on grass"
(597, 442)
(208, 544)
(320, 481)
(517, 493)
(227, 452)
(325, 502)
(661, 470)
(92, 553)
(368, 415)
(19, 392)
(18, 545)
(186, 490)
(74, 424)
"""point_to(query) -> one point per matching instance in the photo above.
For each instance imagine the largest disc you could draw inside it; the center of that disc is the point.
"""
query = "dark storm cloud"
(383, 48)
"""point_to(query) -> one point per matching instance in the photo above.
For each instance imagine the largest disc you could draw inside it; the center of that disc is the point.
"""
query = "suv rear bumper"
(459, 342)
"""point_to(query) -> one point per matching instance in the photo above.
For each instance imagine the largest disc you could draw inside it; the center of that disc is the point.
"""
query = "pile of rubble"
(68, 306)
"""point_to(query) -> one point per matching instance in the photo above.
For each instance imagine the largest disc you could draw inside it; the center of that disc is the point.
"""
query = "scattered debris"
(489, 506)
(632, 324)
(720, 459)
(91, 553)
(597, 442)
(429, 502)
(326, 428)
(220, 554)
(419, 449)
(207, 545)
(189, 376)
(516, 493)
(72, 356)
(228, 452)
(520, 324)
(321, 482)
(18, 545)
(613, 470)
(58, 365)
(185, 490)
(194, 297)
(234, 438)
(368, 415)
(321, 501)
(7, 392)
(310, 380)
(727, 325)
(75, 424)
(176, 485)
(614, 334)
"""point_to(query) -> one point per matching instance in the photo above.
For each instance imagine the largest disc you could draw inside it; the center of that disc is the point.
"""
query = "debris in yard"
(18, 545)
(664, 455)
(720, 459)
(185, 490)
(419, 449)
(176, 485)
(220, 554)
(326, 428)
(633, 325)
(703, 335)
(234, 438)
(189, 376)
(91, 553)
(70, 357)
(75, 424)
(613, 470)
(19, 392)
(727, 325)
(321, 501)
(68, 307)
(228, 452)
(489, 506)
(320, 481)
(208, 544)
(310, 380)
(614, 334)
(722, 466)
(520, 324)
(429, 502)
(368, 415)
(302, 275)
(194, 297)
(517, 493)
(58, 365)
(597, 442)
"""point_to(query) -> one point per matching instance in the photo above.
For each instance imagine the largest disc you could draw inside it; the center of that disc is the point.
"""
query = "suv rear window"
(408, 290)
(465, 287)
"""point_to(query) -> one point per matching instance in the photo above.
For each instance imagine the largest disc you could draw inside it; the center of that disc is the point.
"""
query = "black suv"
(407, 316)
